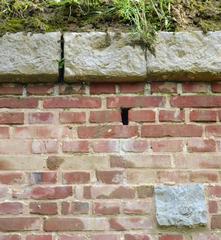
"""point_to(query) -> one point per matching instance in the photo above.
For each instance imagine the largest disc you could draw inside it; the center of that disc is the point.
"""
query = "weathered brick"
(9, 147)
(216, 87)
(106, 208)
(195, 87)
(74, 208)
(72, 102)
(75, 146)
(71, 237)
(167, 146)
(171, 130)
(105, 116)
(100, 88)
(46, 208)
(18, 103)
(216, 222)
(137, 88)
(134, 145)
(40, 89)
(141, 116)
(11, 89)
(213, 131)
(107, 131)
(145, 191)
(72, 117)
(13, 208)
(11, 118)
(196, 101)
(105, 146)
(58, 192)
(171, 237)
(201, 145)
(163, 87)
(41, 118)
(11, 178)
(43, 178)
(20, 224)
(105, 237)
(39, 237)
(203, 116)
(70, 89)
(147, 101)
(172, 176)
(110, 177)
(136, 207)
(136, 237)
(4, 132)
(171, 116)
(213, 206)
(44, 146)
(10, 237)
(203, 177)
(76, 177)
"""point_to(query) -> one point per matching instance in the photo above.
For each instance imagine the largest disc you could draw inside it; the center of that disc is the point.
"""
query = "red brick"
(213, 206)
(11, 118)
(203, 116)
(20, 224)
(171, 130)
(105, 146)
(132, 223)
(163, 87)
(105, 116)
(147, 101)
(167, 146)
(216, 222)
(133, 145)
(41, 118)
(4, 132)
(171, 116)
(206, 236)
(132, 88)
(39, 237)
(106, 208)
(200, 145)
(11, 89)
(110, 177)
(10, 237)
(216, 87)
(74, 208)
(172, 176)
(58, 192)
(196, 87)
(76, 177)
(203, 177)
(214, 191)
(145, 191)
(141, 116)
(44, 146)
(70, 89)
(11, 178)
(40, 89)
(72, 117)
(107, 131)
(213, 131)
(136, 207)
(109, 192)
(196, 101)
(101, 88)
(45, 208)
(43, 132)
(13, 208)
(72, 102)
(171, 237)
(136, 237)
(18, 103)
(75, 146)
(43, 178)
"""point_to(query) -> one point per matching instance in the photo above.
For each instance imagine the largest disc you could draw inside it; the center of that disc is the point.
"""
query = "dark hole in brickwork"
(124, 116)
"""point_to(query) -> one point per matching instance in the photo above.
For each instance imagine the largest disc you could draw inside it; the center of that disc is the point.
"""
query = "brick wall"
(70, 170)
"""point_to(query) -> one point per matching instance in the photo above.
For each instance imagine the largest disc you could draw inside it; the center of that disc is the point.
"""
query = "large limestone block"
(182, 205)
(29, 57)
(186, 56)
(103, 56)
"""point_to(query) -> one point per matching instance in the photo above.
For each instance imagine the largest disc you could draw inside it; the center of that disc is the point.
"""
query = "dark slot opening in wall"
(61, 62)
(124, 116)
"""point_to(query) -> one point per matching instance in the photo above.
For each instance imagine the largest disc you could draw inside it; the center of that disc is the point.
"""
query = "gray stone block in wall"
(29, 57)
(186, 56)
(103, 56)
(181, 206)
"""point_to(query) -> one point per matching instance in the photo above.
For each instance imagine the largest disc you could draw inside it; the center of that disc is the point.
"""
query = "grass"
(143, 17)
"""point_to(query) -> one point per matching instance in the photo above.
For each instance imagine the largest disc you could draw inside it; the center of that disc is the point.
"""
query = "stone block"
(181, 206)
